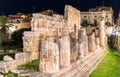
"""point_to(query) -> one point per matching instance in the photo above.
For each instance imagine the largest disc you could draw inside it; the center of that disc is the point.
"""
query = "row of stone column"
(60, 53)
(55, 54)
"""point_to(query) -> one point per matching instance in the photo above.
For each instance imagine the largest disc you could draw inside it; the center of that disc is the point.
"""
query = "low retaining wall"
(20, 59)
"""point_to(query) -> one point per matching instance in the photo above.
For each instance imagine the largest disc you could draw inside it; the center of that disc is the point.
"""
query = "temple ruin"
(62, 42)
(65, 49)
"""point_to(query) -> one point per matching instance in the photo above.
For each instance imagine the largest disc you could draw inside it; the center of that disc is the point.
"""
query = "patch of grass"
(11, 74)
(2, 55)
(8, 47)
(33, 66)
(9, 44)
(110, 66)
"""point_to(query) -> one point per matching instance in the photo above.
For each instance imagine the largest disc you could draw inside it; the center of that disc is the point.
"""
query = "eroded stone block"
(7, 58)
(22, 58)
(64, 47)
(49, 57)
(91, 42)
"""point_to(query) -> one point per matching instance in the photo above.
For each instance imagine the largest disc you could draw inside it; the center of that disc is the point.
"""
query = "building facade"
(90, 19)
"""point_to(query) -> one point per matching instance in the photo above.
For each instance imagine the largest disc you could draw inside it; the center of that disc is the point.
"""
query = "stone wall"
(73, 18)
(20, 59)
(65, 49)
(31, 42)
(46, 27)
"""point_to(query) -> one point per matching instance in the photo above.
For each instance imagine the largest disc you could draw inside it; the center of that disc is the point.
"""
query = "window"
(15, 27)
(84, 16)
(95, 16)
(18, 21)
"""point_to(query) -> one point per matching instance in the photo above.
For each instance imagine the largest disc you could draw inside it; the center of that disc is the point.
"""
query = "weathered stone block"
(12, 51)
(1, 51)
(5, 66)
(91, 42)
(73, 47)
(1, 75)
(64, 47)
(22, 58)
(49, 57)
(102, 31)
(34, 55)
(31, 42)
(81, 33)
(86, 44)
(97, 41)
(7, 58)
(81, 49)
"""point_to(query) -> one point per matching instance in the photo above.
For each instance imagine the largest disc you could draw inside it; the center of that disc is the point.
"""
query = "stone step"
(22, 72)
(94, 66)
(75, 64)
(81, 66)
(86, 67)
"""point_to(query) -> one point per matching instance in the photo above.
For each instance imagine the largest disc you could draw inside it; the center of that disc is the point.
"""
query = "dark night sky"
(26, 6)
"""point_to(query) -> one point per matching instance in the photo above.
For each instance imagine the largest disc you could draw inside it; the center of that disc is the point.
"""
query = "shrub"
(17, 37)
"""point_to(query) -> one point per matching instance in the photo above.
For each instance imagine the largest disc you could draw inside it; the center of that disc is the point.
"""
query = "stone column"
(91, 42)
(84, 38)
(31, 42)
(86, 44)
(81, 49)
(73, 47)
(97, 40)
(102, 30)
(64, 47)
(81, 33)
(49, 57)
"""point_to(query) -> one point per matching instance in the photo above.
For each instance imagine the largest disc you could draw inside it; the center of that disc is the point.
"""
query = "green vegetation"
(84, 23)
(16, 42)
(17, 37)
(110, 66)
(4, 28)
(11, 74)
(33, 66)
(8, 45)
(2, 55)
(108, 23)
(95, 23)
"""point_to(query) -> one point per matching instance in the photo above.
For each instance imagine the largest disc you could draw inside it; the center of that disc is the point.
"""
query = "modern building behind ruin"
(90, 19)
(118, 21)
(96, 13)
(19, 21)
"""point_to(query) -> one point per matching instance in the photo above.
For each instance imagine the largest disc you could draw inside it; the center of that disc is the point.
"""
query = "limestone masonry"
(62, 41)
(64, 47)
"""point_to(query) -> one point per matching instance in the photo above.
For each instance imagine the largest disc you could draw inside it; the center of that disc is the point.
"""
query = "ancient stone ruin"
(62, 45)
